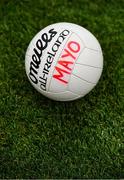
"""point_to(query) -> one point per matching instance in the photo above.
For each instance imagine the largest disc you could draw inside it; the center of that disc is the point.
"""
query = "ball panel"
(91, 42)
(64, 96)
(61, 96)
(79, 86)
(57, 86)
(91, 58)
(87, 73)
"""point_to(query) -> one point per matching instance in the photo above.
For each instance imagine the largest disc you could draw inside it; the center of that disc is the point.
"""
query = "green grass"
(40, 138)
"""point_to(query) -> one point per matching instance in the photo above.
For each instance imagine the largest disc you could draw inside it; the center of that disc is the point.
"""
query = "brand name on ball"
(41, 45)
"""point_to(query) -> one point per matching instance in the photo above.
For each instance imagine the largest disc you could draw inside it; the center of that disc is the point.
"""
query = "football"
(64, 61)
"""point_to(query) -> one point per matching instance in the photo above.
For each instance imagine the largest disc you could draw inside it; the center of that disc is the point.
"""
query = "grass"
(40, 138)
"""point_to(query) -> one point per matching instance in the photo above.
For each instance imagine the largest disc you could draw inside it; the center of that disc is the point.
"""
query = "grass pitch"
(40, 138)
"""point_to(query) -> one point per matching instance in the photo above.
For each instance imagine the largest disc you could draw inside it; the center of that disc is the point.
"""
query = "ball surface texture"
(64, 61)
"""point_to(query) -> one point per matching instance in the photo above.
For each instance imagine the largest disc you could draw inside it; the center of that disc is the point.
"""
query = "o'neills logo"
(41, 45)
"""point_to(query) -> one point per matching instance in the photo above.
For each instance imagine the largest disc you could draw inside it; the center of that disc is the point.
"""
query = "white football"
(64, 61)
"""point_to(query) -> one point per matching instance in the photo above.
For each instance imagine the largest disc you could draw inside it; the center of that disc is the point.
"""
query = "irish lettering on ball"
(66, 62)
